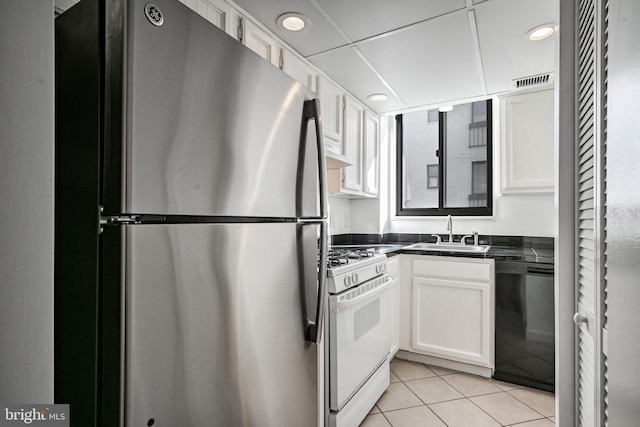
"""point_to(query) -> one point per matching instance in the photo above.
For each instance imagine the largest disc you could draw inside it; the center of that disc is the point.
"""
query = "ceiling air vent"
(524, 82)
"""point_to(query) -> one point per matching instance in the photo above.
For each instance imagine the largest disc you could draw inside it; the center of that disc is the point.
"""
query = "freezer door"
(216, 317)
(211, 128)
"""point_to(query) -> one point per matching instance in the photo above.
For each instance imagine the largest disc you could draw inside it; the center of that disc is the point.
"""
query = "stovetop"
(347, 268)
(342, 260)
(337, 257)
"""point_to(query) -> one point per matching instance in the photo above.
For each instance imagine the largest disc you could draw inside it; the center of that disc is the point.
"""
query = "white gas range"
(359, 333)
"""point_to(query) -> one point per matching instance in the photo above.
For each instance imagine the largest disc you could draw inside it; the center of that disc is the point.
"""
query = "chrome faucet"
(450, 228)
(473, 234)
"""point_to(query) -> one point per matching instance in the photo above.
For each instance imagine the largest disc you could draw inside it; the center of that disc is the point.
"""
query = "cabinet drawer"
(454, 268)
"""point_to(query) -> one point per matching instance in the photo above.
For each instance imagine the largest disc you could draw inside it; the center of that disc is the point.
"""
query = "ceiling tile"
(428, 63)
(506, 53)
(320, 36)
(360, 19)
(347, 68)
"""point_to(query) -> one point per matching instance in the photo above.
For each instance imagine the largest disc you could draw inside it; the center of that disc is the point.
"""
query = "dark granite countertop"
(499, 253)
(388, 249)
(534, 250)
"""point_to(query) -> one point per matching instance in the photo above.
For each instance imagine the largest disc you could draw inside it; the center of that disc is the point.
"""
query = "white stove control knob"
(347, 281)
(378, 269)
(354, 278)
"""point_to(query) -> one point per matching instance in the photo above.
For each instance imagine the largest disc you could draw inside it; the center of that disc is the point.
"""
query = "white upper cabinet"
(331, 107)
(259, 41)
(299, 70)
(218, 12)
(526, 146)
(353, 119)
(371, 155)
(361, 146)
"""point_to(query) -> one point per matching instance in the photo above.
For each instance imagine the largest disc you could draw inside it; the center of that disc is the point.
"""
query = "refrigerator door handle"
(314, 329)
(312, 111)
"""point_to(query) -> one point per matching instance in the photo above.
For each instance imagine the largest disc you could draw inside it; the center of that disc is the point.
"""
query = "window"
(456, 149)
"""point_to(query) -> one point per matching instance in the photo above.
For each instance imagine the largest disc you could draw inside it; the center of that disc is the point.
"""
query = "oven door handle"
(370, 295)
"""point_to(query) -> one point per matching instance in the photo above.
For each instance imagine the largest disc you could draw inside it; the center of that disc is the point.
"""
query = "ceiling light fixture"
(445, 108)
(377, 97)
(541, 32)
(293, 21)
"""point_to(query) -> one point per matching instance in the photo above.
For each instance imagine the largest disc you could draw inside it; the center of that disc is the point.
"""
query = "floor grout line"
(464, 397)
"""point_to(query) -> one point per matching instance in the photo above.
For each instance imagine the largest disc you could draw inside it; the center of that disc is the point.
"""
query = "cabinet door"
(261, 43)
(394, 291)
(353, 113)
(299, 70)
(527, 143)
(452, 316)
(451, 320)
(331, 103)
(218, 12)
(393, 267)
(595, 232)
(371, 157)
(405, 303)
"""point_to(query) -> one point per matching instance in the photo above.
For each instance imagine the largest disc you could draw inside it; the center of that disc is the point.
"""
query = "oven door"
(359, 337)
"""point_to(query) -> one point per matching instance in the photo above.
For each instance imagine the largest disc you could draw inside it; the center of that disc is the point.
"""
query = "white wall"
(26, 211)
(339, 215)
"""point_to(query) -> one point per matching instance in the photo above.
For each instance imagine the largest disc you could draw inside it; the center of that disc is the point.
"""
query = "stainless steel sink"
(447, 247)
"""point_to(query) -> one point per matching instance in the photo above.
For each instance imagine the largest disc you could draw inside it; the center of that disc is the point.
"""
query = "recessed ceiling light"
(445, 108)
(377, 97)
(293, 21)
(541, 32)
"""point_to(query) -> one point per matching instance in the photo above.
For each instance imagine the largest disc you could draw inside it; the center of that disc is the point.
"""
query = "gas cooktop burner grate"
(338, 257)
(336, 261)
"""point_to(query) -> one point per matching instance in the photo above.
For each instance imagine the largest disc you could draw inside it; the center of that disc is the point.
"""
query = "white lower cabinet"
(393, 267)
(450, 309)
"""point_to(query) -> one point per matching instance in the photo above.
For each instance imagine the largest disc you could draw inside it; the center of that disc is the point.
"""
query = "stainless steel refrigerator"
(190, 225)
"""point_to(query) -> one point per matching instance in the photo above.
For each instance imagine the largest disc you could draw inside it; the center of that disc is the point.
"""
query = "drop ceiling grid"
(345, 67)
(507, 54)
(361, 19)
(428, 63)
(319, 37)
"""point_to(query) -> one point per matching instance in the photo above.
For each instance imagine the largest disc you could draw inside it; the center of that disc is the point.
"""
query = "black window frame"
(442, 184)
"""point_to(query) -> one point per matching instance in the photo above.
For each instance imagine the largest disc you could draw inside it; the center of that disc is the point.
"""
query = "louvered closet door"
(591, 131)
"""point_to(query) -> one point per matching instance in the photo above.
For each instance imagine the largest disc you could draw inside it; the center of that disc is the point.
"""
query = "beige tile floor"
(428, 396)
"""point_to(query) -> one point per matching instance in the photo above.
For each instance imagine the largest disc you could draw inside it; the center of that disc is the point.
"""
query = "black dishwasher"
(525, 331)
